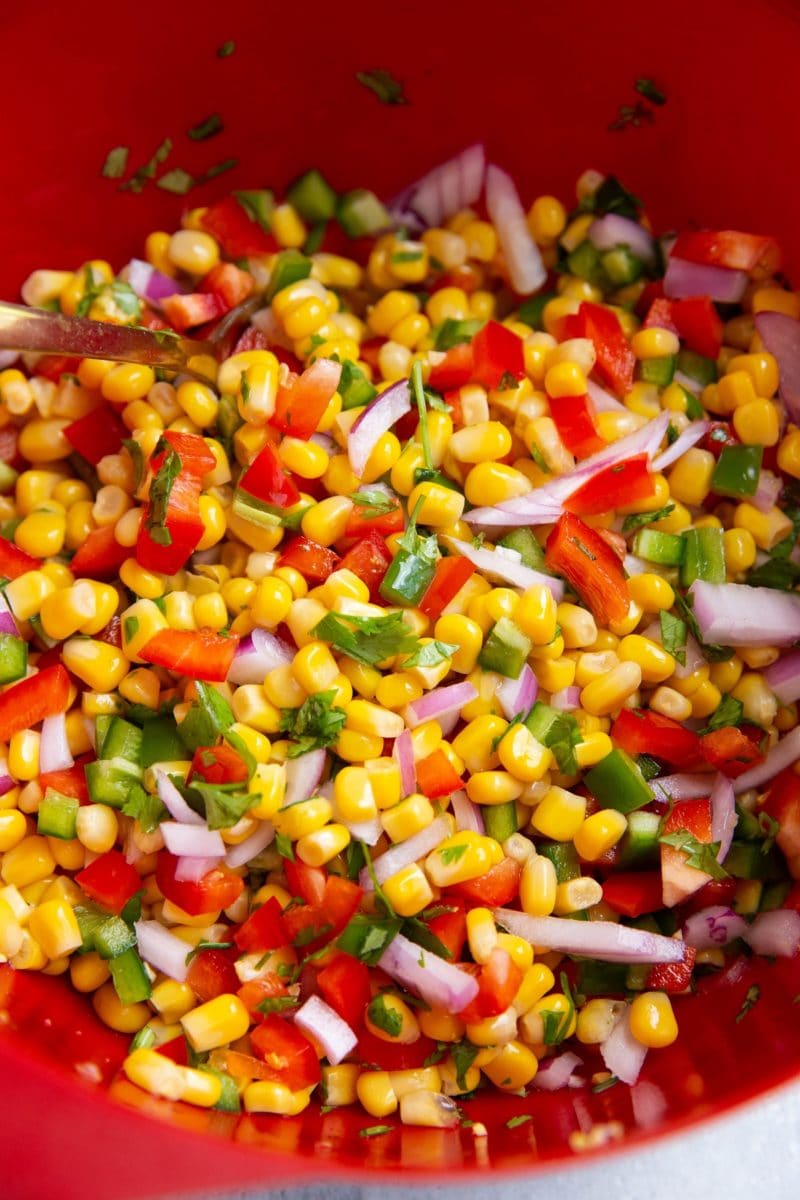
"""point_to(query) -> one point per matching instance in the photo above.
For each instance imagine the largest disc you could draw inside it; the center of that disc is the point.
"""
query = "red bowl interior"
(540, 84)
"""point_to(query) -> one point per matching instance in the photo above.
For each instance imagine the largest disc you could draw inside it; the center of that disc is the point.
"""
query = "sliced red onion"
(499, 520)
(469, 817)
(683, 786)
(375, 420)
(325, 442)
(693, 658)
(497, 566)
(567, 699)
(596, 939)
(686, 381)
(326, 1027)
(555, 1073)
(369, 832)
(767, 491)
(775, 933)
(435, 981)
(302, 776)
(613, 230)
(54, 753)
(713, 927)
(784, 754)
(622, 1054)
(162, 949)
(734, 614)
(690, 437)
(447, 722)
(723, 815)
(406, 853)
(193, 841)
(6, 782)
(258, 840)
(518, 695)
(602, 400)
(441, 701)
(174, 802)
(403, 751)
(684, 279)
(7, 358)
(783, 677)
(523, 259)
(258, 654)
(7, 622)
(452, 185)
(781, 337)
(148, 283)
(635, 566)
(190, 869)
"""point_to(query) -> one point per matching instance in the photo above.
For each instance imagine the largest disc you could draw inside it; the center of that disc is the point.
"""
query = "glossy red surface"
(540, 84)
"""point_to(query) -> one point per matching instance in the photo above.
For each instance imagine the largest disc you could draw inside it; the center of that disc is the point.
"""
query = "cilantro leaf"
(673, 636)
(700, 855)
(366, 938)
(638, 520)
(383, 1017)
(142, 174)
(388, 89)
(226, 49)
(750, 1001)
(729, 711)
(378, 503)
(374, 1130)
(430, 655)
(419, 396)
(605, 1084)
(278, 1004)
(372, 640)
(206, 129)
(224, 803)
(436, 1055)
(146, 809)
(770, 828)
(283, 845)
(452, 854)
(646, 88)
(160, 491)
(116, 162)
(315, 725)
(137, 455)
(711, 652)
(202, 945)
(177, 181)
(522, 1119)
(463, 1055)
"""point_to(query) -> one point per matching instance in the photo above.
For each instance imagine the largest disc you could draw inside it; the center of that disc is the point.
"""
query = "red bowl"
(541, 85)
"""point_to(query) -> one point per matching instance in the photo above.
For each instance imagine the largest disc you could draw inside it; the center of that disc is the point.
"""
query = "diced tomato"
(237, 233)
(454, 370)
(219, 764)
(467, 277)
(304, 881)
(256, 991)
(314, 562)
(212, 974)
(497, 887)
(615, 360)
(187, 311)
(176, 1049)
(451, 927)
(716, 891)
(782, 803)
(100, 556)
(198, 654)
(633, 893)
(659, 314)
(28, 702)
(574, 419)
(229, 283)
(360, 522)
(452, 399)
(498, 983)
(436, 776)
(69, 782)
(374, 1052)
(53, 366)
(263, 929)
(167, 550)
(679, 880)
(15, 562)
(699, 325)
(590, 566)
(497, 352)
(340, 900)
(266, 480)
(730, 750)
(301, 402)
(345, 985)
(727, 248)
(8, 445)
(97, 434)
(312, 925)
(287, 1052)
(641, 731)
(672, 978)
(110, 880)
(369, 351)
(625, 483)
(718, 436)
(215, 890)
(369, 559)
(196, 458)
(450, 576)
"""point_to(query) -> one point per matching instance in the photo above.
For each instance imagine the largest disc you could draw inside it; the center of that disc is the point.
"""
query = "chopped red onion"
(690, 437)
(194, 841)
(442, 701)
(596, 939)
(174, 802)
(683, 786)
(435, 981)
(148, 283)
(6, 782)
(258, 840)
(776, 934)
(686, 381)
(555, 1073)
(684, 279)
(469, 817)
(54, 752)
(523, 259)
(499, 567)
(406, 853)
(258, 654)
(713, 927)
(162, 949)
(369, 832)
(567, 699)
(447, 722)
(784, 754)
(783, 677)
(734, 614)
(635, 566)
(518, 695)
(7, 622)
(781, 337)
(602, 400)
(334, 1036)
(452, 185)
(622, 1054)
(302, 776)
(723, 815)
(190, 869)
(325, 442)
(403, 751)
(7, 358)
(613, 230)
(375, 420)
(693, 658)
(767, 492)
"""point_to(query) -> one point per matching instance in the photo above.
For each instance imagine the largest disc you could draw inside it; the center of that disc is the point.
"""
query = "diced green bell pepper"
(621, 266)
(737, 471)
(259, 205)
(58, 815)
(505, 649)
(312, 196)
(704, 556)
(639, 847)
(697, 366)
(161, 742)
(564, 858)
(360, 213)
(407, 579)
(500, 820)
(109, 780)
(122, 739)
(13, 658)
(130, 979)
(667, 549)
(290, 267)
(616, 782)
(530, 552)
(354, 387)
(113, 937)
(658, 370)
(745, 860)
(601, 978)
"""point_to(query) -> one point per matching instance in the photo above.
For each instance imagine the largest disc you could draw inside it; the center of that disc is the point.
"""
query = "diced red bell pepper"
(97, 434)
(369, 351)
(659, 315)
(69, 782)
(314, 562)
(574, 419)
(28, 702)
(717, 437)
(782, 803)
(110, 880)
(793, 898)
(716, 891)
(318, 922)
(215, 890)
(199, 654)
(436, 776)
(187, 311)
(679, 880)
(9, 438)
(263, 929)
(615, 360)
(183, 525)
(451, 927)
(499, 980)
(196, 458)
(219, 764)
(15, 562)
(468, 277)
(672, 978)
(731, 751)
(176, 1049)
(345, 985)
(625, 483)
(306, 882)
(590, 566)
(340, 900)
(212, 974)
(497, 353)
(450, 576)
(360, 522)
(374, 1052)
(639, 731)
(237, 233)
(497, 887)
(53, 366)
(633, 893)
(699, 325)
(229, 283)
(454, 370)
(266, 480)
(727, 248)
(369, 559)
(287, 1052)
(256, 991)
(100, 556)
(301, 402)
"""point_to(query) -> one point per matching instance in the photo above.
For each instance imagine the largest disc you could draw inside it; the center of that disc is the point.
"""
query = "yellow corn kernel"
(670, 703)
(376, 1094)
(559, 814)
(449, 864)
(536, 614)
(88, 972)
(263, 1096)
(602, 696)
(759, 702)
(474, 743)
(268, 787)
(100, 665)
(767, 529)
(536, 983)
(705, 699)
(215, 1023)
(408, 1031)
(757, 423)
(651, 592)
(547, 219)
(690, 478)
(565, 379)
(491, 483)
(522, 755)
(124, 1018)
(652, 1021)
(481, 934)
(408, 817)
(563, 1017)
(193, 250)
(160, 1076)
(592, 749)
(537, 888)
(353, 795)
(317, 849)
(13, 828)
(596, 1019)
(314, 667)
(789, 452)
(493, 1031)
(30, 861)
(172, 1000)
(513, 1068)
(578, 627)
(300, 820)
(656, 664)
(575, 895)
(42, 532)
(23, 755)
(97, 827)
(493, 787)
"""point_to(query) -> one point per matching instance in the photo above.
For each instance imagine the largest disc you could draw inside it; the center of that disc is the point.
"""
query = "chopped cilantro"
(137, 456)
(515, 1122)
(430, 655)
(226, 49)
(638, 520)
(419, 396)
(383, 1017)
(673, 636)
(700, 855)
(750, 1001)
(379, 892)
(277, 1004)
(206, 129)
(224, 803)
(463, 1055)
(132, 911)
(539, 459)
(648, 766)
(454, 332)
(770, 828)
(712, 653)
(130, 627)
(605, 1084)
(404, 256)
(304, 937)
(315, 725)
(374, 1130)
(160, 490)
(646, 88)
(388, 89)
(366, 938)
(631, 115)
(146, 809)
(378, 503)
(283, 845)
(201, 945)
(372, 640)
(452, 854)
(116, 162)
(418, 932)
(177, 181)
(120, 293)
(142, 174)
(219, 168)
(729, 711)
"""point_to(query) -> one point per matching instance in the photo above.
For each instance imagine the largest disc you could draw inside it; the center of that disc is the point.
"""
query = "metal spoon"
(38, 330)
